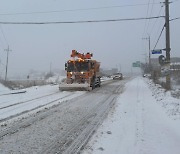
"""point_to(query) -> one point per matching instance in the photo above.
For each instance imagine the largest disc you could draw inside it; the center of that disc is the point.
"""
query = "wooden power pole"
(168, 49)
(7, 62)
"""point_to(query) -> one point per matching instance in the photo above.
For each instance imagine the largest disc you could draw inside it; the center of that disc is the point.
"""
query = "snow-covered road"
(33, 100)
(63, 127)
(138, 125)
(21, 103)
(143, 119)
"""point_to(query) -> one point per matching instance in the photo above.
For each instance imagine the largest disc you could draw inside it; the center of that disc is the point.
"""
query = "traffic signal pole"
(168, 49)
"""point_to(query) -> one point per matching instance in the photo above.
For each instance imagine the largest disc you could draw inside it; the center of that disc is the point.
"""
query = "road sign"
(136, 64)
(156, 51)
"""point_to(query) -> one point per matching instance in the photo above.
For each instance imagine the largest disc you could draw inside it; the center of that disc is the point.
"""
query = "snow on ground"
(58, 79)
(164, 98)
(12, 104)
(138, 124)
(3, 88)
(33, 97)
(55, 79)
(105, 78)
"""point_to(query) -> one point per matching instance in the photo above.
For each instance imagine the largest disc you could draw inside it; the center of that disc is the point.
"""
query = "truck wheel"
(99, 82)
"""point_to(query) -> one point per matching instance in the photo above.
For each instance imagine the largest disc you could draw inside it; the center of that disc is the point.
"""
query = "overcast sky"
(112, 43)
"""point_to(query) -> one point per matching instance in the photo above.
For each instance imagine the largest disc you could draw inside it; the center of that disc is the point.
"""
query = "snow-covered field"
(144, 121)
(34, 99)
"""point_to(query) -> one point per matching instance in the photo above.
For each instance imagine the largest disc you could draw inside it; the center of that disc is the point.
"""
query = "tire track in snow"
(139, 112)
(37, 98)
(79, 134)
(38, 107)
(11, 130)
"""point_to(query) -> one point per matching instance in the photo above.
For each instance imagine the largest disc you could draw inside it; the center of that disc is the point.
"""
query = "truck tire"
(99, 82)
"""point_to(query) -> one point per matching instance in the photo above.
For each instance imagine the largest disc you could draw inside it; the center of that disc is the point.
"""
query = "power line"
(150, 15)
(162, 31)
(159, 28)
(159, 37)
(174, 19)
(72, 22)
(155, 20)
(72, 10)
(2, 31)
(146, 17)
(152, 7)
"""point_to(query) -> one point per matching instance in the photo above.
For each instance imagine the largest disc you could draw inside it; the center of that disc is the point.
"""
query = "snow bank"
(165, 99)
(55, 79)
(105, 78)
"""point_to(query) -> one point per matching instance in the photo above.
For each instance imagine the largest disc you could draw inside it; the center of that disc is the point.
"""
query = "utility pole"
(7, 62)
(149, 40)
(168, 49)
(149, 51)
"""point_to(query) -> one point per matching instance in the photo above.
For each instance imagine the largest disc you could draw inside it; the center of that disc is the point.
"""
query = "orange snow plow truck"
(82, 73)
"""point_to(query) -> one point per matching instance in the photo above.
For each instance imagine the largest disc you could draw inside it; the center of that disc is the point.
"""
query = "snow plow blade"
(74, 87)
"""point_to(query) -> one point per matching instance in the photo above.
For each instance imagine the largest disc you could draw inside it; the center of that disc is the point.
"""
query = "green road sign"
(136, 64)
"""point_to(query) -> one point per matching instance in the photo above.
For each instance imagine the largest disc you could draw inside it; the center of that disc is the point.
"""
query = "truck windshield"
(77, 66)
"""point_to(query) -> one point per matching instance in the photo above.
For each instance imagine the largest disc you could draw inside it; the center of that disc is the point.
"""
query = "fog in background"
(114, 44)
